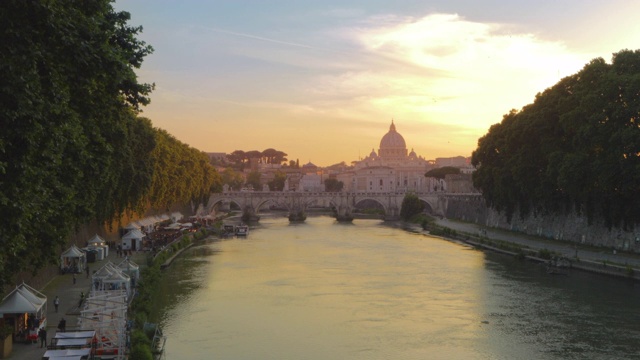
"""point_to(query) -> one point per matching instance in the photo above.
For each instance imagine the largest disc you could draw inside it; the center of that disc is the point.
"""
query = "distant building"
(457, 161)
(219, 156)
(391, 169)
(311, 183)
(460, 183)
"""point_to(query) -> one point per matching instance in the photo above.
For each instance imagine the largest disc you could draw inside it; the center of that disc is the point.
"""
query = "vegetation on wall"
(575, 148)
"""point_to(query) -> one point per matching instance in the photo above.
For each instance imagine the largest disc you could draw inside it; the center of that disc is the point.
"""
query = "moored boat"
(242, 230)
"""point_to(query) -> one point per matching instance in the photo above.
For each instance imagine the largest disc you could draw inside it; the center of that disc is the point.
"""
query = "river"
(367, 290)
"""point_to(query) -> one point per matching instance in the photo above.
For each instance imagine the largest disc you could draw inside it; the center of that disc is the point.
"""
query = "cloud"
(446, 66)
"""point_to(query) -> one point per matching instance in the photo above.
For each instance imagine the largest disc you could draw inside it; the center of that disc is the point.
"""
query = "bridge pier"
(249, 215)
(297, 216)
(343, 214)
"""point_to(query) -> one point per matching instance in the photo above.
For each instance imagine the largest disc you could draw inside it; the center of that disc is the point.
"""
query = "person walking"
(56, 302)
(62, 325)
(81, 298)
(42, 334)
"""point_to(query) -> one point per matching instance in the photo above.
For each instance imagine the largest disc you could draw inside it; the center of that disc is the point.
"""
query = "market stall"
(97, 242)
(73, 260)
(132, 240)
(25, 308)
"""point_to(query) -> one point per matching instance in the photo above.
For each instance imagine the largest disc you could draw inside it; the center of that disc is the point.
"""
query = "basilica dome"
(392, 145)
(392, 139)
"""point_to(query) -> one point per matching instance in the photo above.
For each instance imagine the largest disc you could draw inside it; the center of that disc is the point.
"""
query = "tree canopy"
(268, 156)
(411, 206)
(440, 173)
(72, 147)
(575, 148)
(333, 185)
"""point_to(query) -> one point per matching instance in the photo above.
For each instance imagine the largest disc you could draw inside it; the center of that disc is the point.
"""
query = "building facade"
(391, 169)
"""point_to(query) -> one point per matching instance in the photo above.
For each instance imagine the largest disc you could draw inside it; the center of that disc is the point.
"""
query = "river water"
(325, 290)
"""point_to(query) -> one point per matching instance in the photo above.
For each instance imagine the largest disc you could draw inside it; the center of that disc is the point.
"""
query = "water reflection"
(322, 290)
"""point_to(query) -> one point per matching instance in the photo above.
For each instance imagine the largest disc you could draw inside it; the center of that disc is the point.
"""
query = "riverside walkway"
(601, 260)
(69, 294)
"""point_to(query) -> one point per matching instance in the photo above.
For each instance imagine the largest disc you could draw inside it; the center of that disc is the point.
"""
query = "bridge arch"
(372, 199)
(342, 202)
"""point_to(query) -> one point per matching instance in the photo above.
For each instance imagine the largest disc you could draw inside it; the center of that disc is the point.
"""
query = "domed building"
(392, 145)
(391, 169)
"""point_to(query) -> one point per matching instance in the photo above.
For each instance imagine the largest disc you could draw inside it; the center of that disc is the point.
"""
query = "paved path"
(538, 243)
(69, 294)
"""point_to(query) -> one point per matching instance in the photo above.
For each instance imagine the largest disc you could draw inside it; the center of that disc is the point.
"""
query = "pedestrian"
(74, 278)
(42, 334)
(56, 302)
(81, 298)
(62, 325)
(87, 272)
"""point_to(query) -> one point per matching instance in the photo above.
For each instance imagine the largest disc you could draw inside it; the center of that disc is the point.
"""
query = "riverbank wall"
(541, 254)
(571, 227)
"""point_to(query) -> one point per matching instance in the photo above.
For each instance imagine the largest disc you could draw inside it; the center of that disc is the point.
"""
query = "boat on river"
(228, 229)
(242, 230)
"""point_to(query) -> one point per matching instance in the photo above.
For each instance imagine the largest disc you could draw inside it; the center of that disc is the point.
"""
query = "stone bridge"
(342, 203)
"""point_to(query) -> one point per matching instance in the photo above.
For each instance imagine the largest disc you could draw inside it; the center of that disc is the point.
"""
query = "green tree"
(277, 184)
(232, 178)
(253, 180)
(440, 173)
(575, 148)
(411, 206)
(72, 148)
(333, 185)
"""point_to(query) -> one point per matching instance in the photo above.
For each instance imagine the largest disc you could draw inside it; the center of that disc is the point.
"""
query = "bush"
(544, 254)
(411, 206)
(140, 352)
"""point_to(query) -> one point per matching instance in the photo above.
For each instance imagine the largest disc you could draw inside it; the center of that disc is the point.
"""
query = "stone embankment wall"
(571, 227)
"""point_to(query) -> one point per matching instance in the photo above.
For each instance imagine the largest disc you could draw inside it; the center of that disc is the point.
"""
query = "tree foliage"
(576, 147)
(181, 173)
(411, 206)
(333, 185)
(253, 180)
(277, 184)
(440, 173)
(68, 102)
(234, 179)
(72, 147)
(241, 158)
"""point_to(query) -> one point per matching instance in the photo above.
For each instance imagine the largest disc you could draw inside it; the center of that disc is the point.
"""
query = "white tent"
(132, 240)
(100, 244)
(130, 268)
(132, 226)
(73, 260)
(97, 241)
(26, 300)
(21, 301)
(175, 216)
(111, 277)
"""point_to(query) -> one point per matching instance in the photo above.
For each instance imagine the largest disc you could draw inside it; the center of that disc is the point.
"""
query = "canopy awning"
(73, 252)
(22, 300)
(97, 241)
(133, 234)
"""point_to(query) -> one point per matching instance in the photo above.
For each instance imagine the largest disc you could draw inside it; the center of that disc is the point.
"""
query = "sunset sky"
(321, 80)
